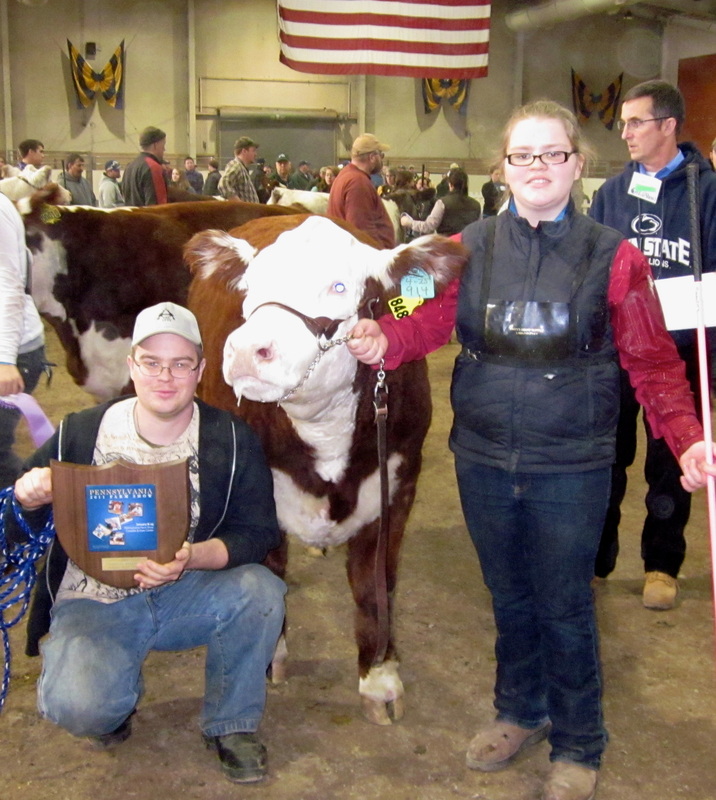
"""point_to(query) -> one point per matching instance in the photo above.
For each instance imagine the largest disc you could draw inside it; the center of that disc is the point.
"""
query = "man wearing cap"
(302, 178)
(236, 180)
(214, 593)
(353, 196)
(110, 193)
(280, 176)
(145, 182)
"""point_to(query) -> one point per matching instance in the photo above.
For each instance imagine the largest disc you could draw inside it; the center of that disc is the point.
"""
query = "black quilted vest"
(549, 409)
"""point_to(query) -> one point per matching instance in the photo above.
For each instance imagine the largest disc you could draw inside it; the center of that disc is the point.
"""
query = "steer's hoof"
(380, 712)
(278, 672)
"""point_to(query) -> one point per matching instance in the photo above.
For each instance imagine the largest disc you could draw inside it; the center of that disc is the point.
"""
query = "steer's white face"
(320, 270)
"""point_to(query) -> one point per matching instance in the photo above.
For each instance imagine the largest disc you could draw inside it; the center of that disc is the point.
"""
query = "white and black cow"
(94, 270)
(275, 300)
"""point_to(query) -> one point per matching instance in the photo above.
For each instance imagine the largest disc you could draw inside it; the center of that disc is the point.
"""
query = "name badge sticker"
(644, 187)
(417, 283)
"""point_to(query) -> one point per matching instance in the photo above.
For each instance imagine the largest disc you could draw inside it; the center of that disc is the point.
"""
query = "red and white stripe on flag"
(408, 38)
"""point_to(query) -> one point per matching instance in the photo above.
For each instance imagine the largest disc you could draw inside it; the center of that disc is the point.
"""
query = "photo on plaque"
(112, 516)
(121, 518)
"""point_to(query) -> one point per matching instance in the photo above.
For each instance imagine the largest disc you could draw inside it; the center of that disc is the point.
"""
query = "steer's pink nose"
(265, 353)
(248, 359)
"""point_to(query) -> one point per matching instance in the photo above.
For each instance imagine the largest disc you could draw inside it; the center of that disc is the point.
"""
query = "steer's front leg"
(380, 687)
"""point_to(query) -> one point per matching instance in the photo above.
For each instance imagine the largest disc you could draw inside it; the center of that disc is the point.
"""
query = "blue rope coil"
(17, 573)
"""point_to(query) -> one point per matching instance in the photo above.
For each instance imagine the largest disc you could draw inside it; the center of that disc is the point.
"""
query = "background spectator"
(211, 185)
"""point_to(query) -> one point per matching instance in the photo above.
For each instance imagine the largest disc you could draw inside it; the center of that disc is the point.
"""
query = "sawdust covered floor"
(660, 702)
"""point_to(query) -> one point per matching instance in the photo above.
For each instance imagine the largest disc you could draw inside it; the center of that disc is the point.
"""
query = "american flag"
(408, 38)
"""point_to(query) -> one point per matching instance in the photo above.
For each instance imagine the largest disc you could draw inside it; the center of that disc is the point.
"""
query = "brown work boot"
(497, 744)
(660, 591)
(569, 781)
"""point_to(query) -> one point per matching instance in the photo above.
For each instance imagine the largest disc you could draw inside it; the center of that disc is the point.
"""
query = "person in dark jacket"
(214, 593)
(302, 179)
(195, 178)
(492, 193)
(211, 184)
(145, 180)
(72, 179)
(658, 224)
(548, 305)
(451, 213)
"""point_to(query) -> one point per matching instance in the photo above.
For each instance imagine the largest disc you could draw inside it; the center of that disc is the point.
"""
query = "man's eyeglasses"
(635, 124)
(551, 158)
(153, 369)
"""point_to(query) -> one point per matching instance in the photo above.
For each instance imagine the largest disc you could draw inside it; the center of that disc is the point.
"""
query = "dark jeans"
(536, 536)
(668, 505)
(31, 366)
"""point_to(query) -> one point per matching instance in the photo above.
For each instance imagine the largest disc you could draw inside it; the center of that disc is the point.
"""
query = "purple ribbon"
(40, 426)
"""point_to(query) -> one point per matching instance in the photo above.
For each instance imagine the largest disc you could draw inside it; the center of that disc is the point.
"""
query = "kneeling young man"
(215, 592)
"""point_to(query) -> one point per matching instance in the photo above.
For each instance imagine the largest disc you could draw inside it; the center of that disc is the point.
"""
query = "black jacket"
(236, 496)
(460, 211)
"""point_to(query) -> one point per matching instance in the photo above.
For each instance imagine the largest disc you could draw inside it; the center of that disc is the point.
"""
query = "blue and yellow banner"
(87, 82)
(453, 91)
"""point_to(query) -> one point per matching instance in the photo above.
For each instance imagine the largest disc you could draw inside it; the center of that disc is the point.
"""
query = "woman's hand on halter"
(368, 343)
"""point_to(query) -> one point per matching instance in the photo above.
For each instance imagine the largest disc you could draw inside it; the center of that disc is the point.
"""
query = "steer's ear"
(443, 259)
(211, 252)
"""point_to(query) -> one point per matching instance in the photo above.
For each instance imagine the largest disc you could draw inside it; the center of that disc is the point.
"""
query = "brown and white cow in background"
(310, 401)
(94, 270)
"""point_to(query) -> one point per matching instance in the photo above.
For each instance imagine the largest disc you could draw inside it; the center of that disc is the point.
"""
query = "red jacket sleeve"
(426, 329)
(648, 353)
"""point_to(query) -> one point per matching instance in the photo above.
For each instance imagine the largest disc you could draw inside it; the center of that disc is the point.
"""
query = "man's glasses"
(635, 124)
(551, 158)
(153, 369)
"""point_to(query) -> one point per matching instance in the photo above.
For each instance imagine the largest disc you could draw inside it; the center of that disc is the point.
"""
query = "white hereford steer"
(317, 203)
(94, 270)
(22, 184)
(275, 301)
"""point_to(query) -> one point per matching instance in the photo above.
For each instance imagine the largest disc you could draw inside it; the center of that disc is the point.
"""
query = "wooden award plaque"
(109, 518)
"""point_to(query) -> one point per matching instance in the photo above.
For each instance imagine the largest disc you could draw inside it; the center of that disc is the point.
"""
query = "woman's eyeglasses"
(551, 158)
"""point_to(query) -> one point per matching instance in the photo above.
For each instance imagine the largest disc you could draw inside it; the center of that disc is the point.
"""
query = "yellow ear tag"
(404, 306)
(50, 214)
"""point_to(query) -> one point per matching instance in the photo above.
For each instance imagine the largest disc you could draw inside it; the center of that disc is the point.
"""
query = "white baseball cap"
(166, 318)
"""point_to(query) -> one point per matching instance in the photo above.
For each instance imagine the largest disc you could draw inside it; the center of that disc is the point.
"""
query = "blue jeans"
(92, 660)
(536, 536)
